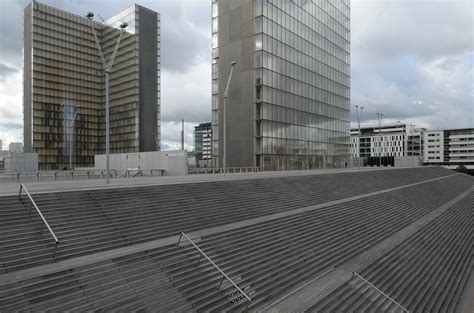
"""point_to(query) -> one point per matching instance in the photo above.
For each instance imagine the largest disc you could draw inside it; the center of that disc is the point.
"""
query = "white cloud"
(11, 108)
(171, 136)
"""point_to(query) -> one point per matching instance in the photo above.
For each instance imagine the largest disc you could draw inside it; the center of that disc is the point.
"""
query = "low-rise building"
(388, 140)
(202, 142)
(451, 147)
(16, 147)
(20, 162)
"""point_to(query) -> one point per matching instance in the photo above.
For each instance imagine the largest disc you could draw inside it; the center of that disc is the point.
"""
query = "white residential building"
(450, 147)
(16, 147)
(390, 140)
(433, 146)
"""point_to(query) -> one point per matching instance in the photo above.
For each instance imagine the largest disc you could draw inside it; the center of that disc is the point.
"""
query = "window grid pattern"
(302, 55)
(68, 79)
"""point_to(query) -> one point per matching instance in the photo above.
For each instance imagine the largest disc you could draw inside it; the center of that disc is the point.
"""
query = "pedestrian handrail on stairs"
(217, 267)
(22, 187)
(386, 296)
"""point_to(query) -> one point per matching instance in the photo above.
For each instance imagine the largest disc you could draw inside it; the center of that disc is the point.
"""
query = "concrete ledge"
(11, 188)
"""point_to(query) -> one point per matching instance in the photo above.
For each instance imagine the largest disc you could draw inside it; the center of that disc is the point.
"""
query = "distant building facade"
(202, 141)
(451, 147)
(391, 140)
(16, 147)
(289, 99)
(64, 87)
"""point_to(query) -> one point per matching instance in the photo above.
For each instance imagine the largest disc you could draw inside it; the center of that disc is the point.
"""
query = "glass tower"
(64, 87)
(289, 101)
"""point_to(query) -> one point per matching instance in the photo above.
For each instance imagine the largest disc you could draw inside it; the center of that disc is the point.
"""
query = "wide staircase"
(99, 220)
(265, 259)
(427, 273)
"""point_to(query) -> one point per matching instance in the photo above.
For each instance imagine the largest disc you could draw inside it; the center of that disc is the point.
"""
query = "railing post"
(55, 248)
(180, 236)
(19, 194)
(222, 280)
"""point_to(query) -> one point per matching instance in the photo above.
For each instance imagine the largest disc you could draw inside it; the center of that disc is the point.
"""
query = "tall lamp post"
(358, 134)
(226, 92)
(379, 118)
(107, 67)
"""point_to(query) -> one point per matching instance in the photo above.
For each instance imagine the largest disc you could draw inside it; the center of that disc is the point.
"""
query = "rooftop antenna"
(103, 21)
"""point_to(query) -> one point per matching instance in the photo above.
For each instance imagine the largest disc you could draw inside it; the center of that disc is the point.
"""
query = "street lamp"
(226, 93)
(358, 134)
(379, 118)
(107, 67)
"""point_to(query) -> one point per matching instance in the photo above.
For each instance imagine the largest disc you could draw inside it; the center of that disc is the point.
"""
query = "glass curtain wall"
(215, 84)
(302, 75)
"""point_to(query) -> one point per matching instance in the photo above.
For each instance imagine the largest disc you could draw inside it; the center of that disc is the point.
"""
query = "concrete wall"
(21, 162)
(173, 162)
(410, 161)
(149, 108)
(236, 43)
(27, 80)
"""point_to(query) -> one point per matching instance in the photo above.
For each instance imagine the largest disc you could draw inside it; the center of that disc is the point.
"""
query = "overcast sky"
(412, 60)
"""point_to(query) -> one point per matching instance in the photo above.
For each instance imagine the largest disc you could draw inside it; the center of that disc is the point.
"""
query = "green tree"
(461, 169)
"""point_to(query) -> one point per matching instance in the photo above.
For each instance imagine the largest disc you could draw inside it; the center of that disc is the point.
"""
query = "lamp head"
(123, 25)
(233, 63)
(90, 15)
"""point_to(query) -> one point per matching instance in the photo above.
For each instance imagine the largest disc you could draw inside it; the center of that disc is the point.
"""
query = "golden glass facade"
(64, 87)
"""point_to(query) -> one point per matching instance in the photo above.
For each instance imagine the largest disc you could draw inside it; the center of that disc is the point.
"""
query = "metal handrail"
(40, 214)
(217, 267)
(365, 280)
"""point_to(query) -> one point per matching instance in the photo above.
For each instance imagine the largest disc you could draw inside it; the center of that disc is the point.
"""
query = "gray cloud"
(413, 61)
(389, 29)
(6, 71)
(12, 126)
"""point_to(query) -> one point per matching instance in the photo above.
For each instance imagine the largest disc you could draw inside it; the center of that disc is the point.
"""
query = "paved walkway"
(12, 188)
